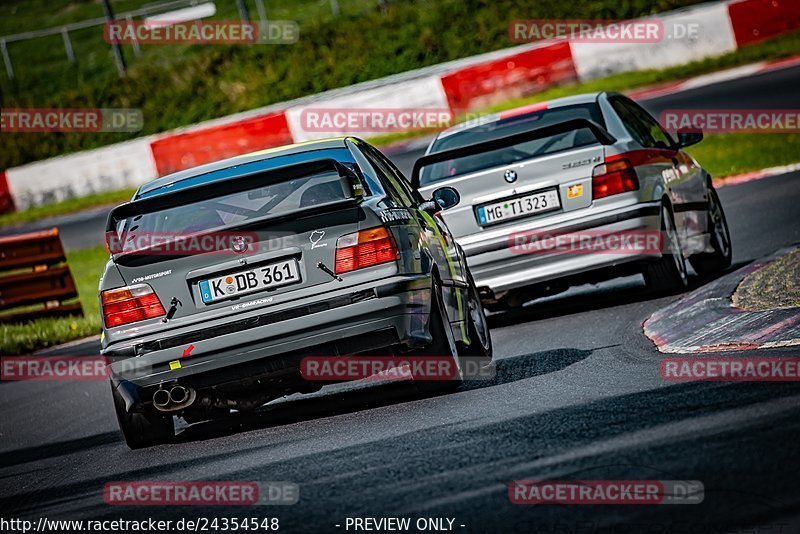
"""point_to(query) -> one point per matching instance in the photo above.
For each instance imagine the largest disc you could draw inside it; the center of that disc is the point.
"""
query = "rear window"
(233, 209)
(503, 128)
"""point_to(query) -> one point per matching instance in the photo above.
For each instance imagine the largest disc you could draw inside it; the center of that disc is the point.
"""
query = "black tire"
(142, 430)
(478, 328)
(721, 255)
(443, 344)
(668, 274)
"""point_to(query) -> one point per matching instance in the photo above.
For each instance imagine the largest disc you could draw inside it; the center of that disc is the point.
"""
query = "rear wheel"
(668, 274)
(480, 339)
(720, 240)
(443, 345)
(142, 430)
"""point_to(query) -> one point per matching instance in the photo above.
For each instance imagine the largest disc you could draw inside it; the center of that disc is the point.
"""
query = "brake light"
(613, 178)
(364, 249)
(130, 304)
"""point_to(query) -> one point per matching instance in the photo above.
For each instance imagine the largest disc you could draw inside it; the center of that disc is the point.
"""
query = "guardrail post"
(262, 13)
(6, 59)
(134, 42)
(68, 45)
(118, 56)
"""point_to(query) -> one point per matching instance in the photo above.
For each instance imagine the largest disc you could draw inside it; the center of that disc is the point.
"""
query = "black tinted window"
(504, 128)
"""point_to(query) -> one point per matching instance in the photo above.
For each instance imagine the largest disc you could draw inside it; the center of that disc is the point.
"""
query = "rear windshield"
(231, 210)
(503, 128)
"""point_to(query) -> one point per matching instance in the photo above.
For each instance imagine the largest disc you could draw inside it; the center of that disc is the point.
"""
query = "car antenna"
(324, 268)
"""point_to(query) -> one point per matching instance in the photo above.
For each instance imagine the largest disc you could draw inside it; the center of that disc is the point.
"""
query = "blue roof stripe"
(234, 171)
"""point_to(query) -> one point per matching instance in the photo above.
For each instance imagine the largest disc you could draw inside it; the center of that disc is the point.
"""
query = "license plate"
(244, 282)
(514, 208)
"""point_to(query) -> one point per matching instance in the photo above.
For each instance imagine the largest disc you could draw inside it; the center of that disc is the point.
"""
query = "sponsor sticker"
(575, 191)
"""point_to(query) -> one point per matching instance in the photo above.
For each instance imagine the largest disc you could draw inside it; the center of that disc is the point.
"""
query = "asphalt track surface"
(577, 395)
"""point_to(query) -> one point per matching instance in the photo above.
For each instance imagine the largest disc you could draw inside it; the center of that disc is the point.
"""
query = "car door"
(687, 182)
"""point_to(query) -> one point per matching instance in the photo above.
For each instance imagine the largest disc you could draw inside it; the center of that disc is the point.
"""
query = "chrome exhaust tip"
(161, 399)
(178, 394)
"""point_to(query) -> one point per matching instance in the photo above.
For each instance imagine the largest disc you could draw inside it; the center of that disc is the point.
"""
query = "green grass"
(776, 285)
(65, 207)
(729, 154)
(87, 267)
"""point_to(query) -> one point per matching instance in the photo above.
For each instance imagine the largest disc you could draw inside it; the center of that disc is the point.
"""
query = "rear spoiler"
(599, 132)
(352, 186)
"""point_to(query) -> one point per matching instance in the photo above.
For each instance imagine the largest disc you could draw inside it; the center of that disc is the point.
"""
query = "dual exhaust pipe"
(176, 398)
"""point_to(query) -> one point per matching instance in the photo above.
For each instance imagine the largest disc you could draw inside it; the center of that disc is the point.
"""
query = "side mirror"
(430, 207)
(446, 197)
(689, 138)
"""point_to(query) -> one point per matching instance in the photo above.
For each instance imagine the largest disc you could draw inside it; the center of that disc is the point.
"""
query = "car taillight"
(130, 304)
(364, 249)
(613, 178)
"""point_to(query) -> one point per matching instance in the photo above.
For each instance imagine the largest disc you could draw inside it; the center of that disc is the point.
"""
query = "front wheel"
(719, 258)
(142, 430)
(668, 274)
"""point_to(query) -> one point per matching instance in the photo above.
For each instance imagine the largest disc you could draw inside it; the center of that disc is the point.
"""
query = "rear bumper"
(496, 266)
(390, 312)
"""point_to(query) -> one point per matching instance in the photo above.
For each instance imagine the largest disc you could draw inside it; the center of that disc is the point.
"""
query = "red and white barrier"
(110, 168)
(712, 35)
(196, 146)
(6, 200)
(756, 20)
(465, 85)
(417, 93)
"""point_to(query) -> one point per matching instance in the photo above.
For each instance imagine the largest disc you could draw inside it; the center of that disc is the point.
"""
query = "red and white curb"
(704, 80)
(756, 175)
(706, 321)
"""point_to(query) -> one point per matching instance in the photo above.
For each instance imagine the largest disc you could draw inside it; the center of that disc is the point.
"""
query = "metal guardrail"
(64, 30)
(33, 272)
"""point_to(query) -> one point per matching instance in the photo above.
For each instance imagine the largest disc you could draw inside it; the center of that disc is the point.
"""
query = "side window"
(639, 132)
(394, 185)
(660, 138)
